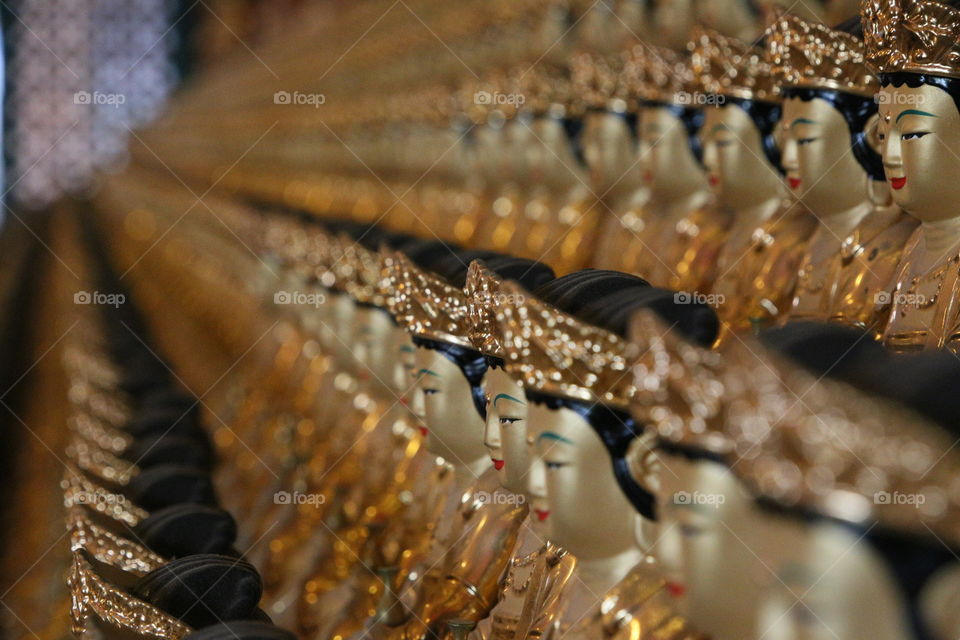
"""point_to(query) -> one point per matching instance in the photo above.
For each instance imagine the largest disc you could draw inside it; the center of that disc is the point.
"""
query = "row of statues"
(491, 363)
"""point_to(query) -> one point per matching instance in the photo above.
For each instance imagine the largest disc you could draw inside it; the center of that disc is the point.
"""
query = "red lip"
(648, 176)
(404, 402)
(497, 464)
(794, 183)
(675, 589)
(898, 183)
(423, 431)
(714, 180)
(541, 514)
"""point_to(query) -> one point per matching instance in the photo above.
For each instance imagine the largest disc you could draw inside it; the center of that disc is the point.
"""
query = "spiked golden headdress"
(360, 272)
(600, 81)
(917, 36)
(485, 296)
(426, 306)
(659, 74)
(797, 440)
(810, 54)
(555, 353)
(728, 67)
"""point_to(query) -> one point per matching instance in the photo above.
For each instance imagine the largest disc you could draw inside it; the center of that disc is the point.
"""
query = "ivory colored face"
(706, 547)
(738, 169)
(454, 427)
(375, 347)
(608, 146)
(572, 488)
(920, 137)
(821, 170)
(403, 378)
(506, 433)
(667, 162)
(343, 326)
(826, 582)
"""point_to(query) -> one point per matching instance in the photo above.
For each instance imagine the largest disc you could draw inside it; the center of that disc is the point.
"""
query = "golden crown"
(795, 439)
(810, 54)
(728, 67)
(659, 74)
(553, 352)
(360, 272)
(483, 290)
(917, 36)
(599, 81)
(425, 305)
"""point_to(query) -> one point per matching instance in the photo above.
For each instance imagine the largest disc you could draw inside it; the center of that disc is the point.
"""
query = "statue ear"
(872, 132)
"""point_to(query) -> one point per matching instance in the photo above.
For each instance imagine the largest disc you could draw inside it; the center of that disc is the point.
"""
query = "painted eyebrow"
(719, 127)
(802, 121)
(407, 349)
(916, 112)
(429, 373)
(549, 435)
(508, 397)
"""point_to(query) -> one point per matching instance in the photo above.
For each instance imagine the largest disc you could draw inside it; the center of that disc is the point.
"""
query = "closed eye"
(916, 135)
(509, 420)
(724, 143)
(555, 465)
(806, 140)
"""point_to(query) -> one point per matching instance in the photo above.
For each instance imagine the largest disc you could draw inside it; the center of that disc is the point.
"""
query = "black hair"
(692, 119)
(427, 253)
(695, 321)
(766, 116)
(617, 429)
(828, 349)
(856, 111)
(471, 362)
(916, 80)
(574, 291)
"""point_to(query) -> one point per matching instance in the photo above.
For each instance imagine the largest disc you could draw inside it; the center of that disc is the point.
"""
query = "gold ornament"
(915, 36)
(426, 306)
(555, 353)
(812, 55)
(728, 67)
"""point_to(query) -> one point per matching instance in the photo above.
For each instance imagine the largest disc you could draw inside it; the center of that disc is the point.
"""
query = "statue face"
(820, 168)
(920, 135)
(375, 348)
(454, 428)
(506, 433)
(342, 322)
(667, 163)
(403, 375)
(825, 581)
(706, 546)
(572, 488)
(738, 169)
(608, 148)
